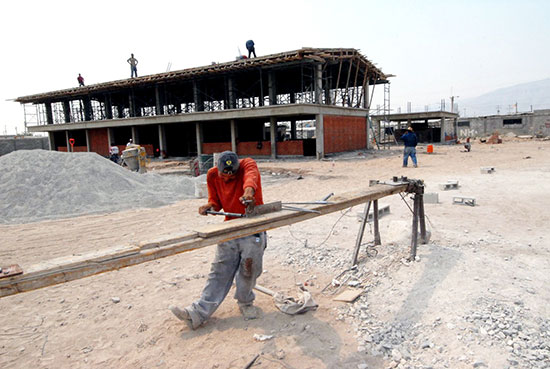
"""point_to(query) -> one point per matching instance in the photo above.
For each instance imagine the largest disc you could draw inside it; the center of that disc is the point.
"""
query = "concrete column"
(231, 93)
(51, 140)
(135, 137)
(110, 136)
(273, 134)
(233, 136)
(442, 139)
(293, 129)
(67, 111)
(108, 107)
(197, 97)
(366, 95)
(318, 84)
(49, 114)
(132, 104)
(272, 87)
(292, 98)
(319, 137)
(87, 140)
(67, 141)
(198, 132)
(87, 109)
(162, 141)
(261, 89)
(158, 101)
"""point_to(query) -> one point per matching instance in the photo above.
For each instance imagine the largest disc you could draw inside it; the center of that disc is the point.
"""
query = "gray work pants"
(239, 259)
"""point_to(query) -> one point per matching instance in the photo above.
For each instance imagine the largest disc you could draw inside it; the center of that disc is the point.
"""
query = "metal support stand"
(414, 238)
(360, 234)
(375, 220)
(422, 219)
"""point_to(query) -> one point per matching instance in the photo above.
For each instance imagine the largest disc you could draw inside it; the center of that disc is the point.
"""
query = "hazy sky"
(435, 48)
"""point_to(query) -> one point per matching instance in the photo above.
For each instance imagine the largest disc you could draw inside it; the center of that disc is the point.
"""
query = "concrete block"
(431, 198)
(487, 170)
(449, 185)
(382, 210)
(461, 200)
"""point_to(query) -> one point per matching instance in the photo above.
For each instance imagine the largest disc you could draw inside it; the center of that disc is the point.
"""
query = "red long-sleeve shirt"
(225, 195)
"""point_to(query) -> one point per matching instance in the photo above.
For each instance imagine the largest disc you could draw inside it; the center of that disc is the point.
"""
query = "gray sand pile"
(37, 185)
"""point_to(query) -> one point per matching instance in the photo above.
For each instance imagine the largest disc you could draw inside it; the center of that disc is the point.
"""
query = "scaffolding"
(338, 77)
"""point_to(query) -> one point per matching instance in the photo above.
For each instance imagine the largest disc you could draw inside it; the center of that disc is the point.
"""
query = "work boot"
(249, 312)
(416, 166)
(185, 316)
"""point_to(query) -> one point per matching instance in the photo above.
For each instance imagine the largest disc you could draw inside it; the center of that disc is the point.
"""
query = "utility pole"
(453, 103)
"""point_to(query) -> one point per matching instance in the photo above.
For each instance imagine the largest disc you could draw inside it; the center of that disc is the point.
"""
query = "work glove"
(248, 197)
(204, 208)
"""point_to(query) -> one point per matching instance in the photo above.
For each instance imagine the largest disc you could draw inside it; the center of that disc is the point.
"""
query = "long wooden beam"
(69, 268)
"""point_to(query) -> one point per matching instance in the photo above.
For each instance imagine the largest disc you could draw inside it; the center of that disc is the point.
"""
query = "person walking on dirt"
(231, 185)
(468, 145)
(133, 66)
(410, 140)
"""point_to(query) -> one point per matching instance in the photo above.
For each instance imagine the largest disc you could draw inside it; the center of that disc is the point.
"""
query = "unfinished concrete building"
(308, 102)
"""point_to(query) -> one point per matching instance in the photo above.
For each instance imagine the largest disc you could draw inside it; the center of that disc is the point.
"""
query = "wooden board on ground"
(349, 295)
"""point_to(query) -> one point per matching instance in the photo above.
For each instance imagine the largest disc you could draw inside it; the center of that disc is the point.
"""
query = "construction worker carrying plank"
(232, 186)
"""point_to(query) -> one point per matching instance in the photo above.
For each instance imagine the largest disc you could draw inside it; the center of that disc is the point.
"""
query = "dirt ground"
(477, 296)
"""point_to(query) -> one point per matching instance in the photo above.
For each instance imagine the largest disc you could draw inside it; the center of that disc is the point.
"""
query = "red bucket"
(430, 149)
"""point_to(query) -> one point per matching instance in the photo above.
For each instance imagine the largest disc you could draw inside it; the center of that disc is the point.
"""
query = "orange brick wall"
(343, 133)
(99, 141)
(290, 148)
(212, 147)
(250, 148)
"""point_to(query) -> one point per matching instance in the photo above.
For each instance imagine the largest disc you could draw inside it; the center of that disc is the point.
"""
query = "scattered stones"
(115, 300)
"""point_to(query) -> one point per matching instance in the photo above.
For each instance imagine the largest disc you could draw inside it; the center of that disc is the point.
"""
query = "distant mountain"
(531, 95)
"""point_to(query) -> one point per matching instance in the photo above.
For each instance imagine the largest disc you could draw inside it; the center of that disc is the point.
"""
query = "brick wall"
(290, 148)
(99, 141)
(212, 147)
(342, 133)
(250, 148)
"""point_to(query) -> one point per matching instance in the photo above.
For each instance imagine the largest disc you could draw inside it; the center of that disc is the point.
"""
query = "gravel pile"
(36, 185)
(527, 340)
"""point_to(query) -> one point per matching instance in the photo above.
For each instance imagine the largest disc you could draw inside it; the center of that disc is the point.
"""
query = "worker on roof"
(133, 65)
(410, 140)
(250, 48)
(80, 80)
(232, 185)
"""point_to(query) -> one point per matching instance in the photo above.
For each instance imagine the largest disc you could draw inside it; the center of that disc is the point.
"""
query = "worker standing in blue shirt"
(250, 48)
(410, 140)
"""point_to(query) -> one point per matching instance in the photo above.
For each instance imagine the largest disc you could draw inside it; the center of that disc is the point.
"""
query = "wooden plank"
(73, 267)
(348, 295)
(286, 217)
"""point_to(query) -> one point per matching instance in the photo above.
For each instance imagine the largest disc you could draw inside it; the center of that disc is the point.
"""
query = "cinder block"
(431, 198)
(382, 210)
(487, 170)
(461, 200)
(449, 185)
